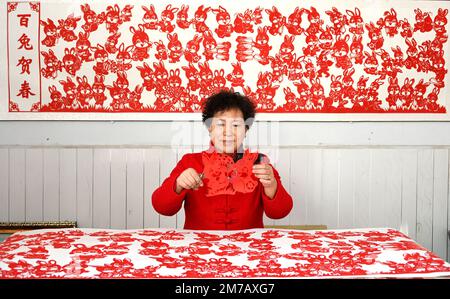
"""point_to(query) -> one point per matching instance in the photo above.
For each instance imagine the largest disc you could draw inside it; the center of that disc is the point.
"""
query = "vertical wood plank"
(4, 185)
(101, 198)
(251, 137)
(424, 232)
(263, 129)
(34, 184)
(393, 212)
(283, 166)
(274, 134)
(51, 184)
(151, 183)
(362, 175)
(378, 194)
(346, 197)
(440, 195)
(385, 197)
(68, 184)
(329, 205)
(167, 164)
(84, 187)
(314, 191)
(200, 135)
(135, 189)
(17, 206)
(183, 133)
(409, 192)
(118, 188)
(299, 175)
(180, 215)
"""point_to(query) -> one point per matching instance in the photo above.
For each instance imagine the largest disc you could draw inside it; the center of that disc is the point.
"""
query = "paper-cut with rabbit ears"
(222, 175)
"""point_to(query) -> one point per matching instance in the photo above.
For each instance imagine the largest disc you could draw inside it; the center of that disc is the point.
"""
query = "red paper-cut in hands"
(223, 176)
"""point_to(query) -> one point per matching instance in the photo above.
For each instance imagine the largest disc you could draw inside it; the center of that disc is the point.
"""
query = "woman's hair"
(227, 100)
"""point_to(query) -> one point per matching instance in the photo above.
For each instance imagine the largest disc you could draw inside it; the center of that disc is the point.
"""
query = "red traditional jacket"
(219, 212)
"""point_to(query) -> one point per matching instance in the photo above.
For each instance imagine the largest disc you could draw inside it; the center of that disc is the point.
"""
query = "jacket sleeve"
(164, 199)
(281, 204)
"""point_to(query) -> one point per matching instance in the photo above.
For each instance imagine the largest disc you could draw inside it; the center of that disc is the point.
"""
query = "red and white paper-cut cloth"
(163, 58)
(164, 253)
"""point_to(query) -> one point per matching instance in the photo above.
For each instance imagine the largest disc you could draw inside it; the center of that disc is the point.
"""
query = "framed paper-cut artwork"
(158, 60)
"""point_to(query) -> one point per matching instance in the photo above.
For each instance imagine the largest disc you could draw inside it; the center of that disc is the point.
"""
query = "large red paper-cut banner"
(296, 58)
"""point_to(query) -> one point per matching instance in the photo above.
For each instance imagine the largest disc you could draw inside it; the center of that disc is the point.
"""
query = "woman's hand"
(264, 173)
(188, 179)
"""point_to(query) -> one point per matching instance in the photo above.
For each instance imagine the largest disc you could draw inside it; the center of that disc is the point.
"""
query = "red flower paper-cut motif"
(12, 6)
(13, 107)
(34, 6)
(207, 237)
(223, 176)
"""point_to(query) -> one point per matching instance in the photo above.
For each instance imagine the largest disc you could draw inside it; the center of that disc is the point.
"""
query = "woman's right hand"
(188, 179)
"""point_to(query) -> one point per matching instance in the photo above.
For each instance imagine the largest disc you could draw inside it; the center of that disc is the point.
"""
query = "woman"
(228, 116)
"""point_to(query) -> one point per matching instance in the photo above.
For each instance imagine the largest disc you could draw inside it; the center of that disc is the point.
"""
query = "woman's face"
(227, 130)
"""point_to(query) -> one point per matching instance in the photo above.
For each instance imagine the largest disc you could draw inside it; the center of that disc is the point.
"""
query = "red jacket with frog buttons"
(219, 212)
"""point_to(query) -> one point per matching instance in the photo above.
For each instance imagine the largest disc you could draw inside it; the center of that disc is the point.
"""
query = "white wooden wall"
(111, 187)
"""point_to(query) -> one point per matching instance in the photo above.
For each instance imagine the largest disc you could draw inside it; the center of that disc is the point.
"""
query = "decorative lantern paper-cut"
(306, 60)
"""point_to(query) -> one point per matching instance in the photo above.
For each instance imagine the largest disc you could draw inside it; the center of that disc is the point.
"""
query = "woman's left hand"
(264, 173)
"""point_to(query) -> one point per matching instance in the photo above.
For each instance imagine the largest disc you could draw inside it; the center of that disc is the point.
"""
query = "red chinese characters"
(23, 56)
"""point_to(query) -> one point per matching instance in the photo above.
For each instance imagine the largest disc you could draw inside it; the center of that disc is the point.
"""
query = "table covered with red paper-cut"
(168, 253)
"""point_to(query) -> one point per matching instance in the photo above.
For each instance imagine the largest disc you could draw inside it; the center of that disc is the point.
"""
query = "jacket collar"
(212, 149)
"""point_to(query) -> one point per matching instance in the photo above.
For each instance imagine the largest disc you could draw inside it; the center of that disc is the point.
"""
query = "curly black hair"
(226, 100)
